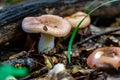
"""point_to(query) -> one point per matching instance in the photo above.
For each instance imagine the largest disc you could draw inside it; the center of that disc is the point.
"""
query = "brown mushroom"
(49, 26)
(105, 59)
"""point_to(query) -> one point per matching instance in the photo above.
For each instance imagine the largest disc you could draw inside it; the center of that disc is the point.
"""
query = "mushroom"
(50, 26)
(106, 59)
(76, 18)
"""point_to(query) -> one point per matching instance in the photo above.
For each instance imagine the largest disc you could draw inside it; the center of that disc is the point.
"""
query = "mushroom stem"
(46, 43)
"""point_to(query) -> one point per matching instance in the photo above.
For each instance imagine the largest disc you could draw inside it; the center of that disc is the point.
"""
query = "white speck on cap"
(98, 54)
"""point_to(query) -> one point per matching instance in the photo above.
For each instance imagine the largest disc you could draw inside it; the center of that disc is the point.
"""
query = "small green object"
(77, 27)
(9, 70)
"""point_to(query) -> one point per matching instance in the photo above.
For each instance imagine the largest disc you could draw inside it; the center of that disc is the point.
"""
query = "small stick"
(97, 35)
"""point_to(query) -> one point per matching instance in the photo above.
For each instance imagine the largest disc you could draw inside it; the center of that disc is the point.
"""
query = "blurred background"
(5, 3)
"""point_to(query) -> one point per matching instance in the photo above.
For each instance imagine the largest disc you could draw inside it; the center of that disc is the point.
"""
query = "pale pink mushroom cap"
(47, 24)
(77, 17)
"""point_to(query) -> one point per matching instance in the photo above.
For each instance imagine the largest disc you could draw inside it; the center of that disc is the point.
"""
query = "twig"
(31, 49)
(97, 35)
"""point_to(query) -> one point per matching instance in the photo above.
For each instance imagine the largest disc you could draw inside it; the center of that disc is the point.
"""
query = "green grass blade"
(77, 27)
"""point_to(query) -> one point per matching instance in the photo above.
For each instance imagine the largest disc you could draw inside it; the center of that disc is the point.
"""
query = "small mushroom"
(107, 60)
(84, 28)
(50, 26)
(76, 18)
